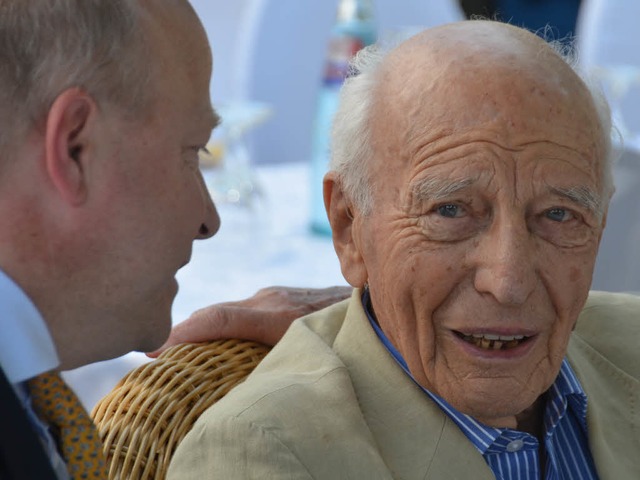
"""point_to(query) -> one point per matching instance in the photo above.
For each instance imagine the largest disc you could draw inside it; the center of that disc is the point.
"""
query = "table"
(267, 244)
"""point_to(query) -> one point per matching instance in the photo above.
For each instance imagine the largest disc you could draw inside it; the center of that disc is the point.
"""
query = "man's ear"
(344, 231)
(67, 135)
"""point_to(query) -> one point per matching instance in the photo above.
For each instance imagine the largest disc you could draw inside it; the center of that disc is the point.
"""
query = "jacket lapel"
(415, 438)
(21, 453)
(613, 399)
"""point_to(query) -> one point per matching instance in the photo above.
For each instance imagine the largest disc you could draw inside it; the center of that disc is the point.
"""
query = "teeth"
(502, 338)
(491, 337)
(493, 342)
(513, 337)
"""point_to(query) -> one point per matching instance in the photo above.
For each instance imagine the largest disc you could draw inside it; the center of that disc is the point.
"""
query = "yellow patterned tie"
(75, 433)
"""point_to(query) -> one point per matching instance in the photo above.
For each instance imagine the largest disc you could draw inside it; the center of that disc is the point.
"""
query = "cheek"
(567, 280)
(407, 267)
(575, 274)
(567, 276)
(410, 299)
(178, 196)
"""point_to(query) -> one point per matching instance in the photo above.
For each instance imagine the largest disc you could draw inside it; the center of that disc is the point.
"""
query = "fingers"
(228, 321)
(292, 301)
(206, 324)
(328, 296)
(263, 318)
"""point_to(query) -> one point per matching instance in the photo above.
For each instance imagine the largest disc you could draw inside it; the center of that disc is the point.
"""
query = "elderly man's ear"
(67, 136)
(345, 227)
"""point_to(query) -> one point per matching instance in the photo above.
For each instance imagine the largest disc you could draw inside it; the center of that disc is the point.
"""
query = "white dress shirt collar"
(26, 346)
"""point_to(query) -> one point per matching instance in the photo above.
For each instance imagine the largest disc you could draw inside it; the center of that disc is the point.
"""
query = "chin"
(162, 329)
(492, 405)
(501, 414)
(153, 329)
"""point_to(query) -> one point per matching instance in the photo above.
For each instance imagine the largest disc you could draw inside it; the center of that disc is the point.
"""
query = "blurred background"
(278, 65)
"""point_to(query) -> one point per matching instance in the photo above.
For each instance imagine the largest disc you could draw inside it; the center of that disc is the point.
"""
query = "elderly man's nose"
(506, 266)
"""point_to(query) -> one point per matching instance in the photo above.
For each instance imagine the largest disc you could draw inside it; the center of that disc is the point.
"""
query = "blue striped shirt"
(513, 455)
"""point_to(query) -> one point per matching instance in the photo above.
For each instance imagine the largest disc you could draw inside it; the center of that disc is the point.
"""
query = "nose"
(211, 221)
(506, 265)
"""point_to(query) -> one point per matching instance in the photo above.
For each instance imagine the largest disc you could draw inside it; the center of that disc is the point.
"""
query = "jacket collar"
(415, 438)
(613, 409)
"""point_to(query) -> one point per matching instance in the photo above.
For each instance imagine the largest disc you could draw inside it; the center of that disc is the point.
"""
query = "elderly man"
(468, 195)
(104, 106)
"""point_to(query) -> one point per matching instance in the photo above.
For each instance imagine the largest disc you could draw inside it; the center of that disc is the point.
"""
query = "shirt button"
(515, 445)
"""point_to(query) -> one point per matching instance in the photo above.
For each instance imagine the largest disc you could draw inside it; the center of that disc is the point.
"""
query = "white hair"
(351, 132)
(48, 46)
(351, 142)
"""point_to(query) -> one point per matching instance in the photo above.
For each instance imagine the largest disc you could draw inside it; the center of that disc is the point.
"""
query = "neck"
(66, 314)
(531, 419)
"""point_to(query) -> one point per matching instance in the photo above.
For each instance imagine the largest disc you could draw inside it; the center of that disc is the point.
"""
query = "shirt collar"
(26, 346)
(565, 391)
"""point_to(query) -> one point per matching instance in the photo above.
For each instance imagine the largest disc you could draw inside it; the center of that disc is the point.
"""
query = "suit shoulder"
(610, 324)
(302, 402)
(616, 314)
(301, 370)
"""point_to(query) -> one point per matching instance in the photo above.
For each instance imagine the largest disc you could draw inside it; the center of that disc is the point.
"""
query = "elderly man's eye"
(449, 210)
(558, 215)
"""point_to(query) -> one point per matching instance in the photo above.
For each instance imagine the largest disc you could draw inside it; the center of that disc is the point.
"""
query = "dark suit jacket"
(22, 456)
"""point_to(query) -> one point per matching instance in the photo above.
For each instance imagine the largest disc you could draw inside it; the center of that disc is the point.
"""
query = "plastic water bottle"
(354, 29)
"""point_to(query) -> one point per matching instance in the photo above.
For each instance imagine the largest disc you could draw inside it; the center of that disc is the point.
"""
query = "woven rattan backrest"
(150, 411)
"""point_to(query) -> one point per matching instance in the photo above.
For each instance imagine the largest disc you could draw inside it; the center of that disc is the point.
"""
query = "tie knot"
(54, 401)
(76, 435)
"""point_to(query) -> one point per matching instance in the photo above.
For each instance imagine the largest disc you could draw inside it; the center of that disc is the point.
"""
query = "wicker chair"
(150, 411)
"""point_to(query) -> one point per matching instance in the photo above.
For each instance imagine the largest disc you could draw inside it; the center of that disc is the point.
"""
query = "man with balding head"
(104, 106)
(468, 193)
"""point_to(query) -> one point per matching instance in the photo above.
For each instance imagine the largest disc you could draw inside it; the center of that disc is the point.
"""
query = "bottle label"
(341, 51)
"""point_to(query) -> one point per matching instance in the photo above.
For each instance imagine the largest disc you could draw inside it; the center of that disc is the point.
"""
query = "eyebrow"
(581, 195)
(439, 189)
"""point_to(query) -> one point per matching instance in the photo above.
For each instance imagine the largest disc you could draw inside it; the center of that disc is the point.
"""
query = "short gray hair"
(351, 147)
(351, 139)
(48, 46)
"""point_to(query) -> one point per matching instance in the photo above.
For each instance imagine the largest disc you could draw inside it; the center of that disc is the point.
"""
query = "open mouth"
(488, 341)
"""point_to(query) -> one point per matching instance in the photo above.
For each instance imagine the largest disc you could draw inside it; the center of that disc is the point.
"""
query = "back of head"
(49, 46)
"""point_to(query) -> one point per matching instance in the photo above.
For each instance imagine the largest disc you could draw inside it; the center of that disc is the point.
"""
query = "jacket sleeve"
(232, 448)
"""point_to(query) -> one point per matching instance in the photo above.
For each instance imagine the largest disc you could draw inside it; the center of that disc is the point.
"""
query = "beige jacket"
(329, 402)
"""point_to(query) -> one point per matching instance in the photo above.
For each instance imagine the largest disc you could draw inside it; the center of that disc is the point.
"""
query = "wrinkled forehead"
(481, 75)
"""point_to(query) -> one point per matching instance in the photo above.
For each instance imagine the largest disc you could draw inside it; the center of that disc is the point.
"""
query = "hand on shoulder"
(264, 317)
